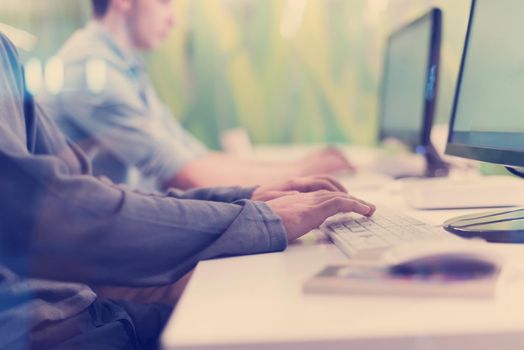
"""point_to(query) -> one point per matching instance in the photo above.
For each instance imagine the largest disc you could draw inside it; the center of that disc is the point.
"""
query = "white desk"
(256, 302)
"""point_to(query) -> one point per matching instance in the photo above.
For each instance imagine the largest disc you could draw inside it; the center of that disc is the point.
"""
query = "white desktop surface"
(256, 302)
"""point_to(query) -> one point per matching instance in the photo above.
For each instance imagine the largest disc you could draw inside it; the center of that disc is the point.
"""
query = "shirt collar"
(128, 57)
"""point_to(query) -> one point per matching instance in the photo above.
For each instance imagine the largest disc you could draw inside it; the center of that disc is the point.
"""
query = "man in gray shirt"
(62, 229)
(109, 107)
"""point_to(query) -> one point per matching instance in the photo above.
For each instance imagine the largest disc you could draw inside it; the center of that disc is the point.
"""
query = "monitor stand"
(504, 226)
(422, 162)
(435, 165)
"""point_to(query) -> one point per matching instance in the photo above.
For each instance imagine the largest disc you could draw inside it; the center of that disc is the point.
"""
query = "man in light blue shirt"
(109, 107)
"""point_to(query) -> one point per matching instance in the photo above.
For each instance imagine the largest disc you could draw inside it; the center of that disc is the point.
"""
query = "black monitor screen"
(488, 116)
(410, 73)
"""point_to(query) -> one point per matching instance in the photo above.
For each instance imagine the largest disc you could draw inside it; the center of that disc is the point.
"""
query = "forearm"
(218, 169)
(83, 230)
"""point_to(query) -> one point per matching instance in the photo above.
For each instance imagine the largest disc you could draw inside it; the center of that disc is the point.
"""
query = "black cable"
(515, 172)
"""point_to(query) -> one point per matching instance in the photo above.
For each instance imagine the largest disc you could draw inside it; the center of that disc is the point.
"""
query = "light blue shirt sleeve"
(117, 120)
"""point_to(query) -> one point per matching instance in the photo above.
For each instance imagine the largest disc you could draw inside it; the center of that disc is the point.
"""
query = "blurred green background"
(302, 71)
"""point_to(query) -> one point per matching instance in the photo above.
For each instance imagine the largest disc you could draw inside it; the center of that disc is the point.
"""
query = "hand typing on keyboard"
(303, 212)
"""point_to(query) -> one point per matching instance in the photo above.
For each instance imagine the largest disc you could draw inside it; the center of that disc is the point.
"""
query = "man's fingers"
(317, 183)
(323, 196)
(301, 212)
(310, 184)
(340, 204)
(332, 181)
(371, 205)
(321, 184)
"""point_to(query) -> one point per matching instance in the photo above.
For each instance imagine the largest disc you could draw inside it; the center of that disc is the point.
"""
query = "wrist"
(255, 193)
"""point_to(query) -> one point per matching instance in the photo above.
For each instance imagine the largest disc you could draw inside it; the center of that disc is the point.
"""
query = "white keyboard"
(363, 237)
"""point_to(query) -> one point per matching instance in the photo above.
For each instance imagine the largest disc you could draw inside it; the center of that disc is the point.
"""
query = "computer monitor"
(410, 87)
(487, 122)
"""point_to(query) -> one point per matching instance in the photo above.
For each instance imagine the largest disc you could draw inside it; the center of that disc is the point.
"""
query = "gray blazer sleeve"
(77, 228)
(59, 222)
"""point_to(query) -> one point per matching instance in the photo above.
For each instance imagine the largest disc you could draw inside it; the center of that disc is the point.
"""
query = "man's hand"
(297, 185)
(303, 212)
(325, 161)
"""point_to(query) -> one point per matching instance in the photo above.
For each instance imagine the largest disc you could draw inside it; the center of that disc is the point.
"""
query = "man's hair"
(100, 7)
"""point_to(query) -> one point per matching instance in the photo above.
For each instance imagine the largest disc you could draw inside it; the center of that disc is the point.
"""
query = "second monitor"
(409, 88)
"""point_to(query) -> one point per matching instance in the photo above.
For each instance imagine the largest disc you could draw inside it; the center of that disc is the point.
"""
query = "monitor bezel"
(484, 154)
(421, 138)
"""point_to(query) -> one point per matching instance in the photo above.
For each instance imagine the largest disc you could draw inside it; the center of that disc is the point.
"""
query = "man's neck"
(117, 27)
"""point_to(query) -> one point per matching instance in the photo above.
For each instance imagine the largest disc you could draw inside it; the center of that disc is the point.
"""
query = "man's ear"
(122, 6)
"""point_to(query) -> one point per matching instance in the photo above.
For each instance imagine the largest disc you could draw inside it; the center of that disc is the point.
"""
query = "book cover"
(376, 278)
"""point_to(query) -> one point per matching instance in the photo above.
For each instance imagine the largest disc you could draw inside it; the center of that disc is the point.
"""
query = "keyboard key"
(358, 229)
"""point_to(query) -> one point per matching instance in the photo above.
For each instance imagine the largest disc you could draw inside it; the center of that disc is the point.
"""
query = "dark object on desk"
(516, 172)
(451, 266)
(505, 226)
